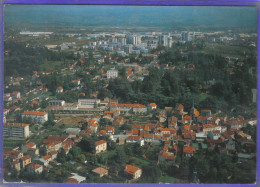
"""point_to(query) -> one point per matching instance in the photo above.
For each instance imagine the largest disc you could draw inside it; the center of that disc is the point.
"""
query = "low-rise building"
(59, 89)
(100, 146)
(56, 103)
(71, 106)
(188, 151)
(100, 171)
(16, 95)
(112, 73)
(25, 160)
(16, 165)
(88, 103)
(133, 171)
(34, 168)
(39, 117)
(135, 139)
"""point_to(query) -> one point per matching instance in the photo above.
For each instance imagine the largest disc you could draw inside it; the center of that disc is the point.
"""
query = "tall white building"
(165, 40)
(162, 40)
(112, 73)
(128, 48)
(133, 39)
(122, 41)
(187, 36)
(16, 130)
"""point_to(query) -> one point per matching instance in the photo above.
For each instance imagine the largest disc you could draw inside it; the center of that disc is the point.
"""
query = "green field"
(51, 65)
(167, 179)
(11, 144)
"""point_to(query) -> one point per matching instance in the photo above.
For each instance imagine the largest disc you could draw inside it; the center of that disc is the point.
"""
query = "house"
(16, 165)
(25, 148)
(165, 131)
(100, 146)
(110, 130)
(16, 94)
(34, 168)
(59, 89)
(206, 112)
(13, 154)
(201, 136)
(75, 178)
(53, 154)
(180, 107)
(152, 106)
(214, 135)
(188, 151)
(72, 180)
(135, 139)
(7, 98)
(76, 82)
(55, 145)
(25, 160)
(163, 156)
(133, 171)
(47, 159)
(148, 137)
(71, 69)
(100, 171)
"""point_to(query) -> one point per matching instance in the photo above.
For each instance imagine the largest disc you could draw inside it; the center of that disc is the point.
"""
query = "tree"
(61, 156)
(121, 156)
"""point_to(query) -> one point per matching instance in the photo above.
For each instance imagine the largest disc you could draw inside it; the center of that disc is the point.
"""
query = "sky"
(124, 16)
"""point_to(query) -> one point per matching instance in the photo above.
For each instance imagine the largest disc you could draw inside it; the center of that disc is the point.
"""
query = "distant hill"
(123, 16)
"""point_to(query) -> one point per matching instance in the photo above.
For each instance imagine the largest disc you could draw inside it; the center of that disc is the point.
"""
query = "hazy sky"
(158, 16)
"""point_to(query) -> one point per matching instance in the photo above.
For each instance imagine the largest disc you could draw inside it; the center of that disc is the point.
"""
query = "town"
(130, 107)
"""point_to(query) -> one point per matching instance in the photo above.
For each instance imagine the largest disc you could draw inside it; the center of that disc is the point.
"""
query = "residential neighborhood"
(129, 106)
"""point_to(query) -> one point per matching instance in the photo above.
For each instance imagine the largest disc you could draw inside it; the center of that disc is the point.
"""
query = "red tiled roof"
(35, 102)
(127, 105)
(34, 166)
(35, 113)
(30, 144)
(100, 142)
(47, 157)
(133, 138)
(25, 157)
(153, 104)
(100, 171)
(131, 169)
(188, 149)
(16, 124)
(72, 180)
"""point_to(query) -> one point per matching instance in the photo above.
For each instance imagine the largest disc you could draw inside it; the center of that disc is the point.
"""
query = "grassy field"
(139, 161)
(50, 65)
(168, 179)
(11, 144)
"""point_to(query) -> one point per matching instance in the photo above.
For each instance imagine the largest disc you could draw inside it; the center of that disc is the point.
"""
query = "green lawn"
(11, 144)
(140, 162)
(168, 179)
(50, 65)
